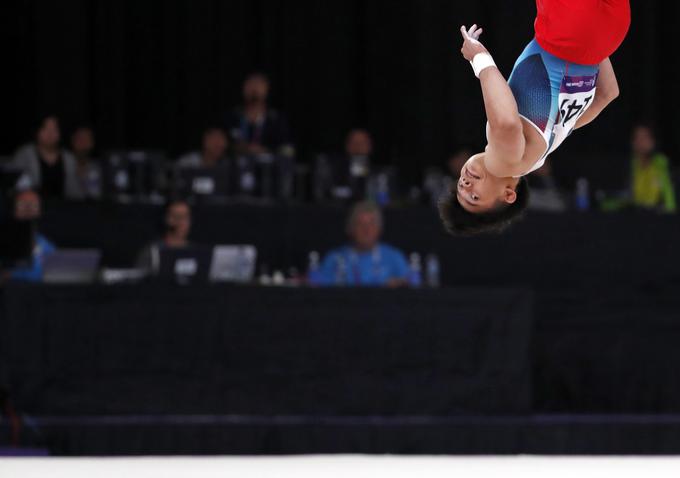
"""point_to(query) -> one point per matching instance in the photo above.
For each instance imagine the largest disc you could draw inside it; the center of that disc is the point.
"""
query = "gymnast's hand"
(471, 44)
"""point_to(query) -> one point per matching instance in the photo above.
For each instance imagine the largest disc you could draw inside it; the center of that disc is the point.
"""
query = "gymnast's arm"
(506, 139)
(607, 91)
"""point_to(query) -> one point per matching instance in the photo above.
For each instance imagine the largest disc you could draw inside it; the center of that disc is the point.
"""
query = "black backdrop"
(153, 73)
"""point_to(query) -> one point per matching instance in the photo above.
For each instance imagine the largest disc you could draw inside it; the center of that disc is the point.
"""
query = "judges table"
(546, 251)
(223, 369)
(564, 314)
(262, 351)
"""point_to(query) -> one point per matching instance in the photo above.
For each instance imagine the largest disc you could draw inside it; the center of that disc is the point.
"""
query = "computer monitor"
(233, 263)
(132, 173)
(204, 182)
(71, 266)
(264, 176)
(186, 265)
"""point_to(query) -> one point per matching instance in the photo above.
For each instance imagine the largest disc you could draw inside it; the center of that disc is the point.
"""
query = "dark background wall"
(153, 73)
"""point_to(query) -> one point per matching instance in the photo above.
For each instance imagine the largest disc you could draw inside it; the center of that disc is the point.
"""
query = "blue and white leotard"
(551, 94)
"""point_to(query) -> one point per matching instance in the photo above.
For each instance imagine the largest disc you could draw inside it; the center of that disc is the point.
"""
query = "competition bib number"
(572, 108)
(576, 95)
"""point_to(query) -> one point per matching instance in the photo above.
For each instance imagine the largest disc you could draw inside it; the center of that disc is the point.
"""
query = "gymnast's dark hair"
(460, 222)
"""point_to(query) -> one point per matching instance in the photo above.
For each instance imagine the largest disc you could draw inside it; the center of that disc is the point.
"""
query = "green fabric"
(652, 186)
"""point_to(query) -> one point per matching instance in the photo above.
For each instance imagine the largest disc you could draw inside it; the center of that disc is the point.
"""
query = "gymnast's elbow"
(615, 94)
(506, 127)
(610, 94)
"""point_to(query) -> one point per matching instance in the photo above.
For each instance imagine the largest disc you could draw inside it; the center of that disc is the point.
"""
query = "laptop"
(185, 266)
(233, 263)
(71, 266)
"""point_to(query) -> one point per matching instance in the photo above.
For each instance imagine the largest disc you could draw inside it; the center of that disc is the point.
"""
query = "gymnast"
(561, 82)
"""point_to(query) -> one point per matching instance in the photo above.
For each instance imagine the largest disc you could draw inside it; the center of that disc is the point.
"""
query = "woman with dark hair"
(50, 169)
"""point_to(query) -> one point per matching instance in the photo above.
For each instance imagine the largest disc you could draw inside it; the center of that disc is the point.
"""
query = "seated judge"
(364, 261)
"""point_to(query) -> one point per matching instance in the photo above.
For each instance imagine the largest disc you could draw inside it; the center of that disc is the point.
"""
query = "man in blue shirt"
(366, 261)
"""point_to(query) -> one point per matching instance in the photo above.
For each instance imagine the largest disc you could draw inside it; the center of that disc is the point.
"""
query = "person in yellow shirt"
(651, 182)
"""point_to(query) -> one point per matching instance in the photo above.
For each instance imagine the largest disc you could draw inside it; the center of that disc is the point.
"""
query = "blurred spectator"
(366, 261)
(213, 151)
(545, 195)
(50, 169)
(651, 183)
(456, 162)
(437, 182)
(345, 176)
(256, 129)
(176, 227)
(358, 144)
(27, 208)
(88, 172)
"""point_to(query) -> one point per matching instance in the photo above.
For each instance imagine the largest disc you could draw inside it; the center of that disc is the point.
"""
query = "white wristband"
(480, 62)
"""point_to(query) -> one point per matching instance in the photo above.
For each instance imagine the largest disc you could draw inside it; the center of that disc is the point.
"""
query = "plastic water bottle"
(264, 278)
(278, 279)
(432, 270)
(246, 178)
(293, 279)
(382, 196)
(313, 260)
(341, 272)
(582, 194)
(415, 270)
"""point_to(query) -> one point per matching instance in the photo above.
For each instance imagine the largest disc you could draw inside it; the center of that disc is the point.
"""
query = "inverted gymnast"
(551, 92)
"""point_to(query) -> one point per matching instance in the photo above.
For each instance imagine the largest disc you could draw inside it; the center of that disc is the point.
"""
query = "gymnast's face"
(478, 191)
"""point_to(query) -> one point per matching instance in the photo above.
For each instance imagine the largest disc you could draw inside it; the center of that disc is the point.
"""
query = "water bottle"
(432, 268)
(293, 279)
(582, 195)
(313, 260)
(341, 272)
(415, 278)
(246, 178)
(246, 266)
(382, 196)
(93, 184)
(264, 278)
(278, 279)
